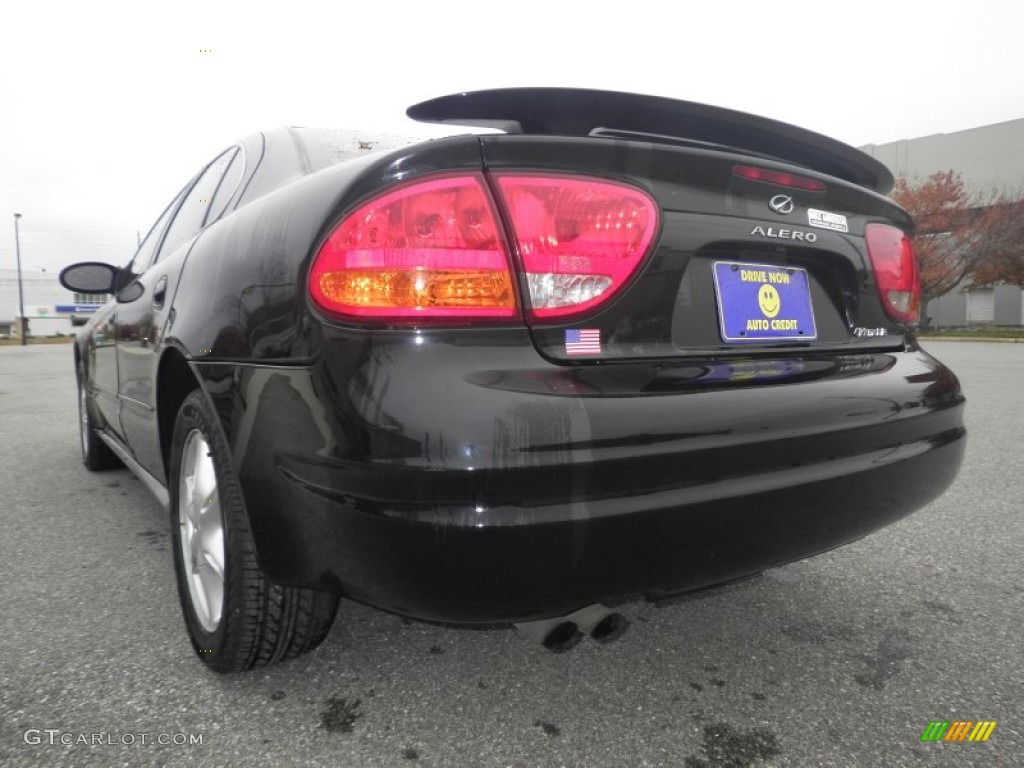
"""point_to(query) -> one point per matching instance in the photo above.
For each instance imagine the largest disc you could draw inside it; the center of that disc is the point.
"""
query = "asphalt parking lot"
(841, 660)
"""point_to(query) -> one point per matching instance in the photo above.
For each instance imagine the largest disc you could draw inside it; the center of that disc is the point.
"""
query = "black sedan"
(627, 346)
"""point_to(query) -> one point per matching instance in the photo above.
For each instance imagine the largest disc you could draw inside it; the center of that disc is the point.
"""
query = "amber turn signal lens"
(418, 289)
(430, 250)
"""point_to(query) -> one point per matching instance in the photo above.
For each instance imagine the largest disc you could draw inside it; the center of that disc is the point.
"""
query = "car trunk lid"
(741, 261)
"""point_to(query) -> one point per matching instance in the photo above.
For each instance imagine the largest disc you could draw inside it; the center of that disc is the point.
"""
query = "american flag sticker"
(583, 341)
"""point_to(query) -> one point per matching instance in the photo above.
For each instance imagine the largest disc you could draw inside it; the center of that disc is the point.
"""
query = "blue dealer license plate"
(758, 302)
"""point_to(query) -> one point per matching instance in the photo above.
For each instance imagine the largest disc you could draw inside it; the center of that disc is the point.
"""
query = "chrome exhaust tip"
(562, 633)
(610, 628)
(563, 637)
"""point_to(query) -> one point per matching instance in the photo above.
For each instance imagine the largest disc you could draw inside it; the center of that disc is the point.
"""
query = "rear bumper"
(672, 542)
(488, 499)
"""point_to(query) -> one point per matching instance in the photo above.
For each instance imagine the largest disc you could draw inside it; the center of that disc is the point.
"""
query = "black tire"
(260, 623)
(96, 455)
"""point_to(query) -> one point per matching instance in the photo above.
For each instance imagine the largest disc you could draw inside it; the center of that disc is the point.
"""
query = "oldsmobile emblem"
(781, 204)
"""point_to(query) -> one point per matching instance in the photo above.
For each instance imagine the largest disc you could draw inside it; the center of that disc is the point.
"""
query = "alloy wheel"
(83, 419)
(201, 530)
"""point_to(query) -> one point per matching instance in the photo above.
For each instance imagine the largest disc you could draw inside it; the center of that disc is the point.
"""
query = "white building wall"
(981, 306)
(1006, 310)
(44, 298)
(948, 310)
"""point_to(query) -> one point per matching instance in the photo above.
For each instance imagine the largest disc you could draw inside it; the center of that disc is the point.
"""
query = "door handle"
(160, 293)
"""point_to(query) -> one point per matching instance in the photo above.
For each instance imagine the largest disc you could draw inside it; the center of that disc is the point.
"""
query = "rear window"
(326, 147)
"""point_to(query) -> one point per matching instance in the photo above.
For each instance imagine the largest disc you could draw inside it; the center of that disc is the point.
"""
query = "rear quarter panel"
(243, 293)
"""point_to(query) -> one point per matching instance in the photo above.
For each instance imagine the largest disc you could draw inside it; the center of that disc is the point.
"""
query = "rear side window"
(191, 215)
(226, 187)
(144, 255)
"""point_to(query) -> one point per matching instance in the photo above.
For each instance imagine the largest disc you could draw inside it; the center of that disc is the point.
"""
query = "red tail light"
(434, 249)
(580, 239)
(895, 265)
(429, 250)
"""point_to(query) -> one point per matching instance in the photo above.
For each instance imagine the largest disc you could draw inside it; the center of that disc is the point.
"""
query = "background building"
(50, 308)
(987, 158)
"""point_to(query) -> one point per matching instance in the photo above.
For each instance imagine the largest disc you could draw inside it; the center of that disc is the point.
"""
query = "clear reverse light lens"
(895, 266)
(580, 239)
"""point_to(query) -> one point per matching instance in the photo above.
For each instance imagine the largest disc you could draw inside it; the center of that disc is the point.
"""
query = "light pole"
(21, 295)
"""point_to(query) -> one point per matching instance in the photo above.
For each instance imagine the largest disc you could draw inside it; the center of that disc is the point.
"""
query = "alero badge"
(784, 234)
(781, 204)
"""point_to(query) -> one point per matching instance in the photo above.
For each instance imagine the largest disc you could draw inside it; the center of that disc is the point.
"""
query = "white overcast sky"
(106, 109)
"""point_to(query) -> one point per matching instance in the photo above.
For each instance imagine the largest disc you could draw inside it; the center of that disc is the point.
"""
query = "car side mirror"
(90, 277)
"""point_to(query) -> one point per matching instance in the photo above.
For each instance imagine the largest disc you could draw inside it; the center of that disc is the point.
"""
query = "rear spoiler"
(582, 112)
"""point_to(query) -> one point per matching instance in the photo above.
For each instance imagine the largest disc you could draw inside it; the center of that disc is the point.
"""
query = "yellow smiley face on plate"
(768, 300)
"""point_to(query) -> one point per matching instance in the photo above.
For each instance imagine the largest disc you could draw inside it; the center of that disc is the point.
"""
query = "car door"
(142, 315)
(101, 366)
(102, 348)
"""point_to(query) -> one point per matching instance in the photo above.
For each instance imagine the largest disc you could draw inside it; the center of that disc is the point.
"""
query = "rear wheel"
(236, 618)
(96, 455)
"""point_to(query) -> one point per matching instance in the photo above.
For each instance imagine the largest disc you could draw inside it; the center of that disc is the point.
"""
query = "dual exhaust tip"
(564, 633)
(567, 634)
